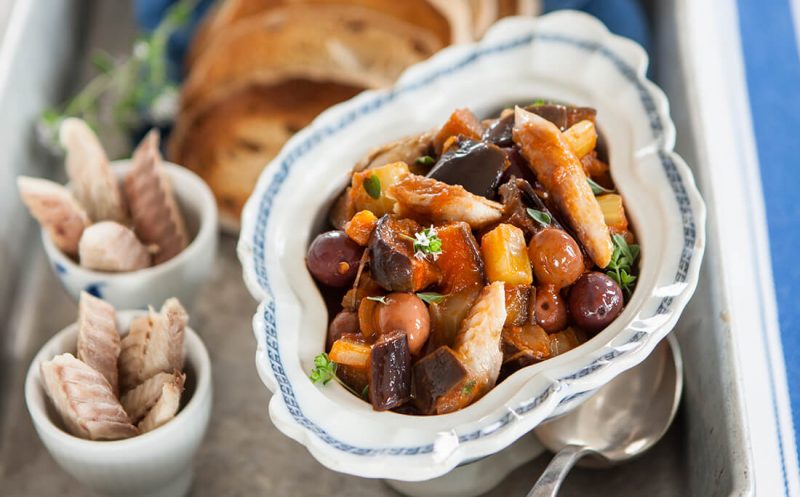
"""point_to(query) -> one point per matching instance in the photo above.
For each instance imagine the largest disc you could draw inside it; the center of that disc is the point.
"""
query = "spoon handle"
(554, 474)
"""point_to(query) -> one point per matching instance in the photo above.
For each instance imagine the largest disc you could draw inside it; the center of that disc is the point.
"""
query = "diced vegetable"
(460, 260)
(350, 350)
(368, 188)
(595, 168)
(344, 322)
(360, 227)
(613, 212)
(367, 287)
(439, 380)
(368, 316)
(523, 346)
(505, 256)
(565, 340)
(563, 116)
(462, 122)
(517, 304)
(394, 264)
(475, 165)
(581, 137)
(447, 316)
(390, 371)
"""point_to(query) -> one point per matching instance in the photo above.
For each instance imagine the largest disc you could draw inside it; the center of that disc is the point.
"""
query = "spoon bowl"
(622, 420)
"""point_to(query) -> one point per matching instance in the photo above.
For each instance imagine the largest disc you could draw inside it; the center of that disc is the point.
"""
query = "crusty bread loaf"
(419, 13)
(230, 142)
(346, 44)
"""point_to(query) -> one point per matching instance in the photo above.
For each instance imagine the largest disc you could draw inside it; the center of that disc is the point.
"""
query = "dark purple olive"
(595, 300)
(477, 166)
(333, 258)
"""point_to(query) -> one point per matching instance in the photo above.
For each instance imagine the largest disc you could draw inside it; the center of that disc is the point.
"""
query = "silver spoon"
(621, 420)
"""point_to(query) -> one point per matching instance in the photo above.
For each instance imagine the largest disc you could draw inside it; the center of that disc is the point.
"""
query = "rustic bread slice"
(418, 13)
(346, 44)
(230, 142)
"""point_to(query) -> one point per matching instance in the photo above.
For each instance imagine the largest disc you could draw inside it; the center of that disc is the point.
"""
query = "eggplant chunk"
(394, 266)
(431, 200)
(460, 260)
(390, 371)
(475, 165)
(500, 131)
(561, 173)
(439, 381)
(563, 116)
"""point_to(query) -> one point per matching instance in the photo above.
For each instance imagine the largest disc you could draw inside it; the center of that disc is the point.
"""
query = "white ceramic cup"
(155, 464)
(179, 277)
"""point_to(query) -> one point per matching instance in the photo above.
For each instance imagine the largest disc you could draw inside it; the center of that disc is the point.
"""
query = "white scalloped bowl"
(566, 56)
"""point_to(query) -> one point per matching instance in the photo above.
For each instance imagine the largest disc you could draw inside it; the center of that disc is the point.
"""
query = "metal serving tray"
(706, 452)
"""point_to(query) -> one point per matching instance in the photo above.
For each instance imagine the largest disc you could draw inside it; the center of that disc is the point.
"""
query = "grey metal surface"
(704, 454)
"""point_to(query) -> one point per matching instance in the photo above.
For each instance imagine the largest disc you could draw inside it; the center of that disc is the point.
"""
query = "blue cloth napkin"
(623, 17)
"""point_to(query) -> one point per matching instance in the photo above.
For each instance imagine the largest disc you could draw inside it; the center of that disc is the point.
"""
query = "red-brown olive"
(550, 309)
(555, 257)
(407, 313)
(333, 258)
(595, 300)
(344, 322)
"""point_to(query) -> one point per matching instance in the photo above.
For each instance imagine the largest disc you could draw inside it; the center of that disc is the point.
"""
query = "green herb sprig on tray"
(325, 370)
(620, 269)
(125, 93)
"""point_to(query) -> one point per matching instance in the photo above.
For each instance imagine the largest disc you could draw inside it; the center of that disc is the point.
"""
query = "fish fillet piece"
(84, 399)
(478, 341)
(165, 407)
(559, 170)
(153, 345)
(420, 197)
(98, 339)
(157, 219)
(87, 165)
(56, 210)
(138, 401)
(110, 246)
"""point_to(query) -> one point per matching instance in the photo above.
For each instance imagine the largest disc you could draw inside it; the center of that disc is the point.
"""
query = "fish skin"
(84, 399)
(427, 199)
(153, 345)
(561, 173)
(157, 219)
(138, 401)
(112, 247)
(166, 407)
(87, 165)
(98, 339)
(478, 341)
(56, 210)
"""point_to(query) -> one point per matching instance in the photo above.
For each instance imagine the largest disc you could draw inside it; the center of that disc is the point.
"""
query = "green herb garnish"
(426, 242)
(539, 101)
(597, 189)
(373, 186)
(468, 387)
(620, 269)
(431, 297)
(324, 369)
(425, 160)
(365, 393)
(382, 300)
(540, 217)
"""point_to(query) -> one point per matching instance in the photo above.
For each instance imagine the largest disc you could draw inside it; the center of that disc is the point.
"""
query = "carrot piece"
(461, 122)
(360, 227)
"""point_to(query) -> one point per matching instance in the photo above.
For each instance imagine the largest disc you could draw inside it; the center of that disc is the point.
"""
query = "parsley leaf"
(620, 269)
(372, 185)
(468, 387)
(597, 189)
(540, 217)
(324, 369)
(431, 297)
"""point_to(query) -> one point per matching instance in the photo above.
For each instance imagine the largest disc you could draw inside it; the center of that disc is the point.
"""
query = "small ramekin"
(155, 464)
(179, 277)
